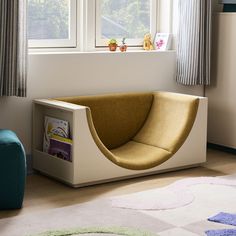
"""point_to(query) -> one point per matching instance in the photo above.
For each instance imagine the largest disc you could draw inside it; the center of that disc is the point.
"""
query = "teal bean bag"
(12, 171)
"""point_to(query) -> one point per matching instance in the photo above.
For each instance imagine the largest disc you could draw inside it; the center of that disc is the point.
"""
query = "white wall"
(89, 73)
(52, 75)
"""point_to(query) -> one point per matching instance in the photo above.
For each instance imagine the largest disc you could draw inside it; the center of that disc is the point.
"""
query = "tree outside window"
(48, 19)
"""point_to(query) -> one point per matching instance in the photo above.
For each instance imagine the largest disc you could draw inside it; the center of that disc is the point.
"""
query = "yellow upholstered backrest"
(169, 122)
(117, 118)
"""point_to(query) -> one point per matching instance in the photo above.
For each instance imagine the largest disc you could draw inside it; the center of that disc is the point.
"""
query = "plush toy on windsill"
(147, 42)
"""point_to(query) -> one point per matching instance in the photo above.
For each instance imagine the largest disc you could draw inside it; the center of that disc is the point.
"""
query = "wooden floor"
(43, 193)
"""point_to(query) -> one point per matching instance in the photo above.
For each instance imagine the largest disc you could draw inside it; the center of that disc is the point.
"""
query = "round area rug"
(97, 231)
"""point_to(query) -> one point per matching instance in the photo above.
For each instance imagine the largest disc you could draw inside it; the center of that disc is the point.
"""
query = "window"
(130, 19)
(88, 24)
(52, 23)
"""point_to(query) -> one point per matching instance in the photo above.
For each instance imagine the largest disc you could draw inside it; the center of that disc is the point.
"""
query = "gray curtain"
(13, 48)
(194, 42)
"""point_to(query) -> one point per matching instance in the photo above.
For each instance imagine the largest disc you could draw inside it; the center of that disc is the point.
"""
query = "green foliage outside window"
(48, 19)
(130, 17)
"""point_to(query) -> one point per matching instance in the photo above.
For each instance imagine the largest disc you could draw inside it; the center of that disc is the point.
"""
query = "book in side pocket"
(60, 147)
(54, 126)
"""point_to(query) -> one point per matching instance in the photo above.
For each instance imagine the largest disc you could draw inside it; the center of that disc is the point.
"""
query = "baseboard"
(221, 148)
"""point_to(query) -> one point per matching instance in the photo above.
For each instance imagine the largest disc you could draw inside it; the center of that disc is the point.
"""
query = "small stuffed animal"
(147, 42)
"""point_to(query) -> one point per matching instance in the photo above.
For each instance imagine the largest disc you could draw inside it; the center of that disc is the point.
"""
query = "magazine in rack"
(56, 139)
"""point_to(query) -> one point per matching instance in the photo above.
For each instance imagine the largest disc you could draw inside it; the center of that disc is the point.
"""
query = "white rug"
(188, 220)
(175, 195)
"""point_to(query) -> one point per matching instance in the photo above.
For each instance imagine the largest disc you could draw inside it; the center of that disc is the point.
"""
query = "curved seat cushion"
(138, 156)
(139, 131)
(169, 122)
(118, 117)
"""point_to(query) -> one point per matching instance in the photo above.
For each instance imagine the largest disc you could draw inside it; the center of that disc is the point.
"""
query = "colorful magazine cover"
(60, 147)
(54, 126)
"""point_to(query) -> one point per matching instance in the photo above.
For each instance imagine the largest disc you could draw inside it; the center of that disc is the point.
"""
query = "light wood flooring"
(44, 193)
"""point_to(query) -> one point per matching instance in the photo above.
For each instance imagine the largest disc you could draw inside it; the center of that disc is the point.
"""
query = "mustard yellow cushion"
(138, 156)
(139, 130)
(169, 122)
(117, 117)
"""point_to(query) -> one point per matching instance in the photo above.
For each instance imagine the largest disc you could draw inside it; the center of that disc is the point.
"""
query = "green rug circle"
(97, 230)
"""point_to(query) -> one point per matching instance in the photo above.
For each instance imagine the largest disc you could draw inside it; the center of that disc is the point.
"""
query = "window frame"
(101, 43)
(83, 28)
(61, 43)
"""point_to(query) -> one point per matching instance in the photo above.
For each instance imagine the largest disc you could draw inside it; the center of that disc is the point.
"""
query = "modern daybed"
(118, 136)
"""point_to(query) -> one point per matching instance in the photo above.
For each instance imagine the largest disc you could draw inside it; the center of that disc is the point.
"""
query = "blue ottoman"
(12, 170)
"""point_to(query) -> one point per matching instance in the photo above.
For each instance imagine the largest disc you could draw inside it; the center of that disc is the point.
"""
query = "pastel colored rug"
(222, 232)
(97, 231)
(175, 195)
(223, 218)
(187, 220)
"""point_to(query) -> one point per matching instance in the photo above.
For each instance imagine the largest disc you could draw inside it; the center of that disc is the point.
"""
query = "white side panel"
(221, 94)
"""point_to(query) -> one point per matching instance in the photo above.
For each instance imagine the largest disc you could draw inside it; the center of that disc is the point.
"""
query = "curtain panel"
(194, 42)
(13, 48)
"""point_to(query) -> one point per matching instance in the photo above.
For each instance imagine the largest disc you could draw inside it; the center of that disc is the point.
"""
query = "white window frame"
(99, 42)
(61, 43)
(83, 28)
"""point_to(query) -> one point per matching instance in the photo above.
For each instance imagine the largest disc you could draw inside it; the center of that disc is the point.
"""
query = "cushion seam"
(151, 146)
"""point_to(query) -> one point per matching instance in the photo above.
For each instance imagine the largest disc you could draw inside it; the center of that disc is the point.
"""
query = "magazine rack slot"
(39, 114)
(53, 166)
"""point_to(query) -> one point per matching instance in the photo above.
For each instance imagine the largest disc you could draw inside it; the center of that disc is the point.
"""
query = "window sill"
(106, 52)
